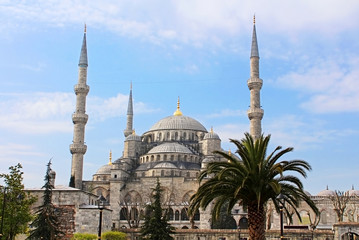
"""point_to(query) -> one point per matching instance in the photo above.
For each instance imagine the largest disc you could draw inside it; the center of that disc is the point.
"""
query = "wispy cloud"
(197, 22)
(226, 113)
(332, 86)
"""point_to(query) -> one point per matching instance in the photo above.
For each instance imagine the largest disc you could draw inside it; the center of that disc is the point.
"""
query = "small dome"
(179, 122)
(133, 137)
(211, 135)
(326, 193)
(105, 169)
(165, 165)
(353, 192)
(169, 148)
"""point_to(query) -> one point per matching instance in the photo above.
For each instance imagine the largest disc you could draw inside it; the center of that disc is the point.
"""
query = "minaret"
(255, 113)
(129, 127)
(79, 118)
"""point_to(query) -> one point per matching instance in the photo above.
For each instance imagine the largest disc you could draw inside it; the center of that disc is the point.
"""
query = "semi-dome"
(165, 165)
(169, 148)
(179, 122)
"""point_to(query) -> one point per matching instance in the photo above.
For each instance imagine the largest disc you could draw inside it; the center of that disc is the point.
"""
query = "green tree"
(252, 178)
(46, 224)
(156, 226)
(14, 203)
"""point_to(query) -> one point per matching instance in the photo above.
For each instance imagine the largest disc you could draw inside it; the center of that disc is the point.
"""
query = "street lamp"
(239, 232)
(281, 200)
(350, 234)
(101, 201)
(3, 213)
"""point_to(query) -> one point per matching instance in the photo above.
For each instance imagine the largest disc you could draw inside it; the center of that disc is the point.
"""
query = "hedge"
(113, 236)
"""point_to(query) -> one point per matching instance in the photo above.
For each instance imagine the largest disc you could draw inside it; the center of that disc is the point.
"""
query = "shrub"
(84, 236)
(114, 236)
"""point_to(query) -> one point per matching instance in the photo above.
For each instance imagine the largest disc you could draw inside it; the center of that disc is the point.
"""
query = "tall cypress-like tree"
(156, 226)
(14, 204)
(46, 224)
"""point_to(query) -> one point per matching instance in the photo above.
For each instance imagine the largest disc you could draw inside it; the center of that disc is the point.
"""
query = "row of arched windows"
(165, 157)
(176, 215)
(173, 136)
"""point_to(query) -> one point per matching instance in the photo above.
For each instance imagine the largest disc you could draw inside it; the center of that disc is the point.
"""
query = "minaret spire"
(129, 126)
(79, 118)
(255, 113)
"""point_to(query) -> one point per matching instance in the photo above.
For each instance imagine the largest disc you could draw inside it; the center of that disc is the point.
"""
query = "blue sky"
(197, 50)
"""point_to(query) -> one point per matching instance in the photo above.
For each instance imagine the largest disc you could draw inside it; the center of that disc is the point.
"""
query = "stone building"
(175, 150)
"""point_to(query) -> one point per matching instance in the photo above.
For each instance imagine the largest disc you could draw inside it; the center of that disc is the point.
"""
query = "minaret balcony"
(255, 113)
(79, 118)
(254, 83)
(78, 148)
(80, 88)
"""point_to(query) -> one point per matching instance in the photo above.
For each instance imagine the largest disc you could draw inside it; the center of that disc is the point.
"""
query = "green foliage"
(46, 224)
(252, 178)
(113, 235)
(15, 202)
(156, 226)
(84, 236)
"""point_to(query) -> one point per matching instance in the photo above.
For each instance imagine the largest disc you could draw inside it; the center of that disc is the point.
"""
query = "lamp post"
(239, 232)
(3, 213)
(101, 201)
(281, 200)
(350, 234)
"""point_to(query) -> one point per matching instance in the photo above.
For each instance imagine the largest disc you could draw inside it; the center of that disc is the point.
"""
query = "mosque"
(174, 150)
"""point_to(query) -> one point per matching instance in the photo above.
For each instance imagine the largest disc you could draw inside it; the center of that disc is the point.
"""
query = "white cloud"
(332, 85)
(197, 22)
(44, 113)
(227, 113)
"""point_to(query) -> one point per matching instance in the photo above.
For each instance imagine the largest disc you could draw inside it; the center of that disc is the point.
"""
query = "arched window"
(176, 135)
(162, 173)
(177, 215)
(172, 157)
(165, 158)
(152, 158)
(160, 136)
(184, 135)
(196, 216)
(170, 214)
(158, 157)
(123, 214)
(323, 217)
(184, 215)
(168, 136)
(134, 214)
(243, 223)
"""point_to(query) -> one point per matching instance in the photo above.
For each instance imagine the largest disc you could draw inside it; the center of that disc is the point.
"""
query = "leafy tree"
(15, 203)
(156, 226)
(252, 178)
(46, 224)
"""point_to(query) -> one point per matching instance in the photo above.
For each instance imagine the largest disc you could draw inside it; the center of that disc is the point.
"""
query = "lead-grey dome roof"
(105, 169)
(169, 148)
(178, 122)
(165, 165)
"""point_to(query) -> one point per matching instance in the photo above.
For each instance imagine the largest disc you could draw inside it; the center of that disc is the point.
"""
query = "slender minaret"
(79, 118)
(255, 113)
(129, 126)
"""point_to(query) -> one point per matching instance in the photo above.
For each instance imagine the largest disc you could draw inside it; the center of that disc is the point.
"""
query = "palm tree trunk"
(256, 220)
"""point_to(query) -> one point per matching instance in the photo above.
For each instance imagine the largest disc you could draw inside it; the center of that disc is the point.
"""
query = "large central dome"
(179, 122)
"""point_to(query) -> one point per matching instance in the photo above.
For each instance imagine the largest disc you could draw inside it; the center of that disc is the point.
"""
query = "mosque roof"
(165, 165)
(179, 122)
(169, 148)
(211, 135)
(105, 169)
(133, 137)
(326, 192)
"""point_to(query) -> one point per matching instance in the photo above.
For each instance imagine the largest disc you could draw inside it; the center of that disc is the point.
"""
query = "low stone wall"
(229, 234)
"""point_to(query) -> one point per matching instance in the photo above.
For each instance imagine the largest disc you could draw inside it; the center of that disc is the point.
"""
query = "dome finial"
(178, 111)
(85, 28)
(229, 152)
(110, 158)
(254, 19)
(212, 129)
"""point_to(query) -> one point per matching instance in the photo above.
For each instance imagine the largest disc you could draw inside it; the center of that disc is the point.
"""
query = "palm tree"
(252, 178)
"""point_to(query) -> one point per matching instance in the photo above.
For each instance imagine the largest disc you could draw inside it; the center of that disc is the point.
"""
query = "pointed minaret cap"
(130, 104)
(110, 158)
(83, 57)
(254, 49)
(178, 111)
